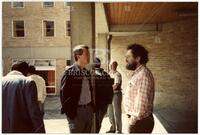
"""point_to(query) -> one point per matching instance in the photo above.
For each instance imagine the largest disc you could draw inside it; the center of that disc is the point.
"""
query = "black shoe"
(119, 132)
(110, 131)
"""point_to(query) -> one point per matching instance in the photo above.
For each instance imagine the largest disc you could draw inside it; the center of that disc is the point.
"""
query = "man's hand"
(131, 120)
(115, 86)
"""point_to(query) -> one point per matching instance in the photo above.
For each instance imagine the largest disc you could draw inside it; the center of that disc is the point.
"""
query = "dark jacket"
(21, 113)
(71, 84)
(103, 88)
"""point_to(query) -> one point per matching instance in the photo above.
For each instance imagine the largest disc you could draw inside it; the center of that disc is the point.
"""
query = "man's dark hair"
(115, 63)
(139, 50)
(20, 66)
(31, 69)
(97, 62)
(78, 50)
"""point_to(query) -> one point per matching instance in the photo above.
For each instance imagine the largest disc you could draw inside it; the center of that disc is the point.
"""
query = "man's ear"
(138, 59)
(78, 56)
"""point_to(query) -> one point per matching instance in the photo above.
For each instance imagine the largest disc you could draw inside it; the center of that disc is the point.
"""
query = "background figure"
(103, 92)
(76, 93)
(114, 109)
(41, 88)
(20, 110)
(139, 95)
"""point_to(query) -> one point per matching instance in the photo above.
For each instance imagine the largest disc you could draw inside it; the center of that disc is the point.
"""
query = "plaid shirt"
(139, 96)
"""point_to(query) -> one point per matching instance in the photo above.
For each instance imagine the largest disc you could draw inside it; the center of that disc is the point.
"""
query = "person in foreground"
(76, 93)
(20, 110)
(139, 95)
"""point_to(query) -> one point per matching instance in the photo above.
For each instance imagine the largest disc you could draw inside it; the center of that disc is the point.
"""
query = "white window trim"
(65, 6)
(18, 7)
(23, 59)
(54, 3)
(24, 28)
(43, 28)
(45, 67)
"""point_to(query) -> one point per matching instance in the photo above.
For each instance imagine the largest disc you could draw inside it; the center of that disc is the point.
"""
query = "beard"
(131, 66)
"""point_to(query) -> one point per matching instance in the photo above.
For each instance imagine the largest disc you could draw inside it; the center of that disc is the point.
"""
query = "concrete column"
(83, 30)
(82, 24)
(102, 51)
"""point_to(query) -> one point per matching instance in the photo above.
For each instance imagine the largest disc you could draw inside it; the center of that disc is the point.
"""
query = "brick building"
(44, 33)
(38, 32)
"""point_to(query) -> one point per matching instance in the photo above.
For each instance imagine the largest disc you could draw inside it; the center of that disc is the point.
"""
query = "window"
(48, 28)
(17, 4)
(29, 61)
(50, 81)
(18, 28)
(46, 68)
(48, 4)
(67, 4)
(68, 33)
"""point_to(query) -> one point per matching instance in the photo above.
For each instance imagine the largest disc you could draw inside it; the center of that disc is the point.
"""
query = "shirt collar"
(14, 72)
(138, 69)
(33, 75)
(78, 68)
(113, 72)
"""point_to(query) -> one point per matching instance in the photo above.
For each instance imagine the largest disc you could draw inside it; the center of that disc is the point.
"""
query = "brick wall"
(173, 62)
(33, 14)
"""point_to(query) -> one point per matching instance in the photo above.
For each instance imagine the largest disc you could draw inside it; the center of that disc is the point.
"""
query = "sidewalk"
(60, 126)
(57, 123)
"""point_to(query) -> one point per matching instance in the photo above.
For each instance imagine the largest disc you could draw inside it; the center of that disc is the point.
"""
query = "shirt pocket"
(133, 87)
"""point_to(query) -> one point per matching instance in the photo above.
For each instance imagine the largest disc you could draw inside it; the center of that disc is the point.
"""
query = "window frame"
(67, 27)
(38, 68)
(65, 5)
(43, 5)
(17, 7)
(54, 28)
(13, 28)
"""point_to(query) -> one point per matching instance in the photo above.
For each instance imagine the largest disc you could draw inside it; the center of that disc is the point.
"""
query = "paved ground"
(166, 120)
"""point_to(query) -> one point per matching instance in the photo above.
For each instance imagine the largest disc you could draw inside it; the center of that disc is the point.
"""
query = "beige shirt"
(117, 78)
(41, 88)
